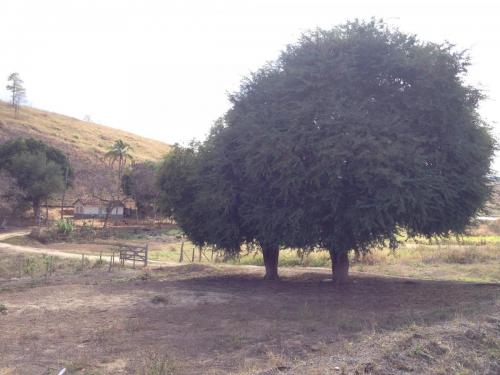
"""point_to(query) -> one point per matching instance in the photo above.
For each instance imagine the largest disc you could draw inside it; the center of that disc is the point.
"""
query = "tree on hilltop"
(18, 92)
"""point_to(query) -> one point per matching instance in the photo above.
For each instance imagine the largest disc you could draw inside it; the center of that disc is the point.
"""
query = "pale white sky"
(162, 69)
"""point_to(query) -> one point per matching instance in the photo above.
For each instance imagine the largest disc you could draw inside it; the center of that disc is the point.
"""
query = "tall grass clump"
(65, 227)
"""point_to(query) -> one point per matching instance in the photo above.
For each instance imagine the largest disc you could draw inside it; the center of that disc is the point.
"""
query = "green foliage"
(119, 153)
(65, 227)
(87, 231)
(3, 308)
(16, 87)
(38, 169)
(351, 136)
(30, 267)
(139, 182)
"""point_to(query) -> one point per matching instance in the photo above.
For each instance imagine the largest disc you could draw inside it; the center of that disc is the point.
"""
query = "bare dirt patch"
(199, 319)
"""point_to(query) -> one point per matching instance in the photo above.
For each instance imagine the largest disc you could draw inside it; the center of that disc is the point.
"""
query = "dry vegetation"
(215, 318)
(199, 319)
(81, 138)
(85, 143)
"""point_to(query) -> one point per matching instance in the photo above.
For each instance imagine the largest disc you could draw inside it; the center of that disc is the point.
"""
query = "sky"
(163, 69)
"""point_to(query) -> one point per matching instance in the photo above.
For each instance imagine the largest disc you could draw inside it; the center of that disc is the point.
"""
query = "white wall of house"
(96, 210)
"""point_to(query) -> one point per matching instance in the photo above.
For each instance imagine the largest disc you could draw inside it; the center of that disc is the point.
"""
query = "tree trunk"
(271, 255)
(64, 191)
(340, 266)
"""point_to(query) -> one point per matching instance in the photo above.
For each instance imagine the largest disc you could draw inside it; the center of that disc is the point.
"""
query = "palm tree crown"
(119, 153)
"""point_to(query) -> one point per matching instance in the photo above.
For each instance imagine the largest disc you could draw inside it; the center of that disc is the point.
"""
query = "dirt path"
(159, 264)
(34, 250)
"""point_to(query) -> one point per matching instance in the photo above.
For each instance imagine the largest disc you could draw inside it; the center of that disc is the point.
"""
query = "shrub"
(65, 227)
(3, 308)
(158, 364)
(87, 231)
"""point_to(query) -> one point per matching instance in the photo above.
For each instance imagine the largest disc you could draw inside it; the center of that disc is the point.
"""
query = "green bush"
(65, 227)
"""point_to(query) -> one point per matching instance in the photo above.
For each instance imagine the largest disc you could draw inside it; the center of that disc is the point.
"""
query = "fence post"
(192, 256)
(111, 260)
(146, 256)
(182, 252)
(199, 254)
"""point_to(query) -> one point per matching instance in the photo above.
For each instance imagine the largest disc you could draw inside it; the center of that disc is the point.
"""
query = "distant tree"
(119, 154)
(7, 204)
(139, 182)
(18, 92)
(353, 137)
(37, 169)
(103, 187)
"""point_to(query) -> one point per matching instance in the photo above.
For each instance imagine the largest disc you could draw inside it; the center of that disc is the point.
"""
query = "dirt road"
(33, 250)
(58, 253)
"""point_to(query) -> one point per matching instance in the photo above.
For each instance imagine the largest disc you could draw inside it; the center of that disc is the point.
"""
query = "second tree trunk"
(271, 255)
(340, 266)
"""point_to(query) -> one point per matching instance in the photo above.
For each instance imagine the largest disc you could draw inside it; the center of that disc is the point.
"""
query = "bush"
(65, 227)
(87, 231)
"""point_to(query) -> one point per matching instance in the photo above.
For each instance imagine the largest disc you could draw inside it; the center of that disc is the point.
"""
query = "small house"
(86, 208)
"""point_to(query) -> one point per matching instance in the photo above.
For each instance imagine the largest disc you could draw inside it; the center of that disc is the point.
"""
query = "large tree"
(139, 182)
(206, 189)
(352, 137)
(39, 170)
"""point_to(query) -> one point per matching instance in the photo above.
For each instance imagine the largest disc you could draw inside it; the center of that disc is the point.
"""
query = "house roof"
(92, 201)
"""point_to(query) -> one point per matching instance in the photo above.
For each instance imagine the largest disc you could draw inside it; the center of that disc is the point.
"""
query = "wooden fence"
(134, 254)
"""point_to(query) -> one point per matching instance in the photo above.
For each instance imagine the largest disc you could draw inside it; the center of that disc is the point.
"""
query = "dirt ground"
(199, 319)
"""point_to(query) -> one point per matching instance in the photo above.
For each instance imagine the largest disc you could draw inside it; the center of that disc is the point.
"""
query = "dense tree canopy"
(352, 137)
(139, 182)
(39, 170)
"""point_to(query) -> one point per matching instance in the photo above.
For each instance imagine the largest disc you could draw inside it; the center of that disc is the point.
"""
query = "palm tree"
(119, 153)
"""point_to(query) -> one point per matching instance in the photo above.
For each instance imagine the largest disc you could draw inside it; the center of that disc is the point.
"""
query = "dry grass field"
(81, 139)
(202, 318)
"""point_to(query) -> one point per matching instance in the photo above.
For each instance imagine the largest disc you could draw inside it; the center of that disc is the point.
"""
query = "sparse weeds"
(3, 309)
(158, 364)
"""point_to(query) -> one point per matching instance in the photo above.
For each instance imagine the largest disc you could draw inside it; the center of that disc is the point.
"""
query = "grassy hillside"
(80, 137)
(84, 142)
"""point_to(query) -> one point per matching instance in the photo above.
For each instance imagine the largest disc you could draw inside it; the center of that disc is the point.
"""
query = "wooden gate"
(134, 254)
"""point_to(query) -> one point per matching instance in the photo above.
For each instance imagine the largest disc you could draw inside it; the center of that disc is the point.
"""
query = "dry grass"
(38, 267)
(81, 136)
(85, 143)
(476, 259)
(196, 319)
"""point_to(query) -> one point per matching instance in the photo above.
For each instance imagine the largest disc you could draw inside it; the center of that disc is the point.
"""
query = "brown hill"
(84, 142)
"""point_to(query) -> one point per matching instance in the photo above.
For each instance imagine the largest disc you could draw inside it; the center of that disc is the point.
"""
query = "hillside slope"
(84, 142)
